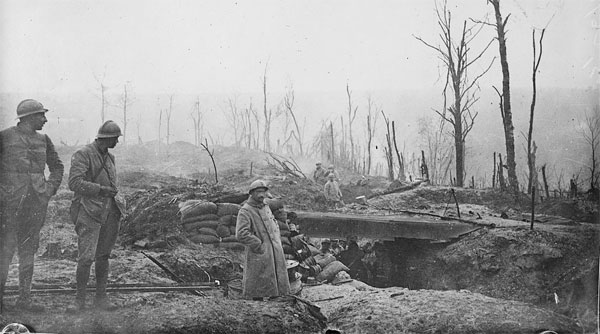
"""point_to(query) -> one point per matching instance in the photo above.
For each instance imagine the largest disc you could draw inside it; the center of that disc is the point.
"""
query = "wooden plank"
(338, 225)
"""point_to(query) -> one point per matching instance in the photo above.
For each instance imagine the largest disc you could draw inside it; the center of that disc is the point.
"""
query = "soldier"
(332, 191)
(265, 271)
(24, 194)
(319, 174)
(96, 212)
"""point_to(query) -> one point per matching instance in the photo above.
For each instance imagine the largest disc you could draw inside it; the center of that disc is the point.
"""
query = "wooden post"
(532, 206)
(251, 168)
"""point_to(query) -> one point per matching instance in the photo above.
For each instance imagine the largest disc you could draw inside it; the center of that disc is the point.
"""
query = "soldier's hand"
(107, 191)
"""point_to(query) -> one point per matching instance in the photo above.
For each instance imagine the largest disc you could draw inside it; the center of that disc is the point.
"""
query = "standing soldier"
(24, 194)
(265, 272)
(319, 174)
(332, 191)
(95, 212)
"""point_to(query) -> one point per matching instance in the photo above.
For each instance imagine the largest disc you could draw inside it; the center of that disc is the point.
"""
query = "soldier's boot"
(24, 302)
(101, 301)
(82, 276)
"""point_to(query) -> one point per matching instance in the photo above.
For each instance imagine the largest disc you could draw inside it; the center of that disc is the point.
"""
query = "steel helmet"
(258, 184)
(108, 130)
(29, 107)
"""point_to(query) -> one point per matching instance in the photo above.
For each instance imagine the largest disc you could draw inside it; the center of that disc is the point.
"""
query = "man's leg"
(88, 231)
(31, 218)
(8, 244)
(106, 242)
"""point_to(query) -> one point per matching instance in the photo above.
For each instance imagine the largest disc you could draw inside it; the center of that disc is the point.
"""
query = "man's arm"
(77, 176)
(243, 232)
(55, 165)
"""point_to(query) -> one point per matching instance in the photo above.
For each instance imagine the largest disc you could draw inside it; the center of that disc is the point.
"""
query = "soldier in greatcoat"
(265, 272)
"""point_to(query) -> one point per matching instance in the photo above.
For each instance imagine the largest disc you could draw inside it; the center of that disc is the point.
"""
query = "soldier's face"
(112, 142)
(259, 194)
(36, 120)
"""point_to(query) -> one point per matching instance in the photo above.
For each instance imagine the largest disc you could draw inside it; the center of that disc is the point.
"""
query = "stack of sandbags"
(209, 223)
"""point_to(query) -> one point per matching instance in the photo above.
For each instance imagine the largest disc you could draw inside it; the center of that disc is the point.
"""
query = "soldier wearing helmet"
(24, 194)
(319, 174)
(96, 211)
(265, 271)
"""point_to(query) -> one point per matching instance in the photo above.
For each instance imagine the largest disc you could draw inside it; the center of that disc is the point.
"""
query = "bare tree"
(530, 154)
(436, 142)
(506, 111)
(288, 101)
(211, 154)
(236, 120)
(268, 114)
(455, 57)
(591, 134)
(125, 102)
(103, 99)
(351, 117)
(371, 126)
(168, 113)
(197, 119)
(388, 150)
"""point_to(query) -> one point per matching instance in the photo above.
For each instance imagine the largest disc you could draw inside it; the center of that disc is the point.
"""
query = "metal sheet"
(334, 225)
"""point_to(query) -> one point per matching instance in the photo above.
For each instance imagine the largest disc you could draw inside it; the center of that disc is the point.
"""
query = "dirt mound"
(180, 313)
(397, 310)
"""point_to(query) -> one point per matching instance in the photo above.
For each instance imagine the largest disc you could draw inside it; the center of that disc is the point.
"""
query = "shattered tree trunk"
(506, 107)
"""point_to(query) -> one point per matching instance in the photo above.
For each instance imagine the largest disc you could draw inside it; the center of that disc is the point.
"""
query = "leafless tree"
(103, 99)
(505, 103)
(126, 101)
(371, 126)
(530, 154)
(388, 150)
(235, 118)
(591, 134)
(455, 57)
(267, 113)
(351, 117)
(168, 114)
(288, 101)
(211, 154)
(435, 140)
(197, 119)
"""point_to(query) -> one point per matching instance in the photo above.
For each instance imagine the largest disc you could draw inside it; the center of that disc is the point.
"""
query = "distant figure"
(265, 271)
(331, 171)
(24, 194)
(319, 174)
(332, 191)
(573, 189)
(96, 212)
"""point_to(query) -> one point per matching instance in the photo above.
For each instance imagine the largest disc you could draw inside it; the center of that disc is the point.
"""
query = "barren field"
(500, 278)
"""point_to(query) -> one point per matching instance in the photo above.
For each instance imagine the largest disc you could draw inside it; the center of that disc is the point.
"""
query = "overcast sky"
(223, 46)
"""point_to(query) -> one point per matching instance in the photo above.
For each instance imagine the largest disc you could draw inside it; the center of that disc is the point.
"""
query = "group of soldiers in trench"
(97, 207)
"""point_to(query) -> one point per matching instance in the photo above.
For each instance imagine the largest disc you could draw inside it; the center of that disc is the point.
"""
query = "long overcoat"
(265, 273)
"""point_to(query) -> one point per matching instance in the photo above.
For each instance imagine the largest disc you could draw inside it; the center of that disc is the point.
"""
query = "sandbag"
(193, 208)
(196, 225)
(324, 259)
(223, 231)
(208, 231)
(229, 220)
(204, 239)
(329, 272)
(192, 219)
(231, 238)
(224, 209)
